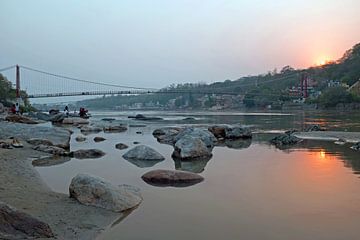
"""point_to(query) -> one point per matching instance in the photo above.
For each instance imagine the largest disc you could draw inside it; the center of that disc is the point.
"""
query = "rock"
(197, 166)
(289, 132)
(57, 118)
(285, 140)
(136, 142)
(57, 136)
(188, 148)
(40, 116)
(19, 119)
(174, 178)
(356, 146)
(237, 143)
(218, 131)
(340, 141)
(143, 152)
(115, 129)
(95, 191)
(80, 138)
(50, 161)
(121, 146)
(144, 118)
(39, 141)
(51, 150)
(99, 139)
(90, 130)
(2, 108)
(204, 135)
(137, 125)
(87, 153)
(108, 119)
(16, 144)
(167, 134)
(19, 225)
(75, 121)
(237, 132)
(313, 128)
(189, 119)
(138, 132)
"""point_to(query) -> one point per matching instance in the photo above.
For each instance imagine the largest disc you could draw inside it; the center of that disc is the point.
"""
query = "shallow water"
(253, 192)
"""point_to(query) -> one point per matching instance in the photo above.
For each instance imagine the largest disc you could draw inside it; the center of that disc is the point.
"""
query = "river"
(252, 190)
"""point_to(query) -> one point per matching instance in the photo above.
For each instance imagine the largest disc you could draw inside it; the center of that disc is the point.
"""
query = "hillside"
(258, 90)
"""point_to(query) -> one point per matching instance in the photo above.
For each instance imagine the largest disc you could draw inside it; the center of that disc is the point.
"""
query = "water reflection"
(195, 165)
(143, 163)
(235, 144)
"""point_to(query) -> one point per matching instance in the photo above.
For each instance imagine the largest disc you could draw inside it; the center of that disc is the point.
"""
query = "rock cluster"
(20, 119)
(285, 140)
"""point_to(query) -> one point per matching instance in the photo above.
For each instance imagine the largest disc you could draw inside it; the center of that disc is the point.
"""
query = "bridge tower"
(17, 82)
(304, 85)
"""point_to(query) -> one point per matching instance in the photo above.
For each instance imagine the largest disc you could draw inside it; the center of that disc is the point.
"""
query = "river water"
(252, 190)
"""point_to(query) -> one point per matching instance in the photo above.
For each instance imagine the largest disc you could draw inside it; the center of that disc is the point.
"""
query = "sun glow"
(323, 61)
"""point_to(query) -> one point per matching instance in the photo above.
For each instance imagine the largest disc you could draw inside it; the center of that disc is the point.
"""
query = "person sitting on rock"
(13, 109)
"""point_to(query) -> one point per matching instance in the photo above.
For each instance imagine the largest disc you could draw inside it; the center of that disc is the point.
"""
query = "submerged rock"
(195, 166)
(189, 147)
(51, 150)
(115, 129)
(95, 191)
(285, 140)
(143, 152)
(174, 178)
(50, 161)
(99, 139)
(39, 141)
(80, 138)
(121, 146)
(19, 225)
(87, 153)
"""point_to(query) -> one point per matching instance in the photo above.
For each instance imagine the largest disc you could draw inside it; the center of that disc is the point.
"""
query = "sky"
(156, 43)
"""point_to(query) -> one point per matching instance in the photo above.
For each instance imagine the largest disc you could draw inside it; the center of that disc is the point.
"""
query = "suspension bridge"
(42, 84)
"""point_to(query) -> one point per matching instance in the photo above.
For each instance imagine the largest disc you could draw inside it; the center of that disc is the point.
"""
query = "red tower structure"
(17, 81)
(304, 85)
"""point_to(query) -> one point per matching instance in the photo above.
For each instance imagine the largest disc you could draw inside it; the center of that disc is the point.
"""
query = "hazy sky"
(156, 43)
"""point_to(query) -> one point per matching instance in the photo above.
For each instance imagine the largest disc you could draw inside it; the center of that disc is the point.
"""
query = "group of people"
(15, 109)
(82, 112)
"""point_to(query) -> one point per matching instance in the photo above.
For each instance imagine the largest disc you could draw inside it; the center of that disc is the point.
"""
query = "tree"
(335, 95)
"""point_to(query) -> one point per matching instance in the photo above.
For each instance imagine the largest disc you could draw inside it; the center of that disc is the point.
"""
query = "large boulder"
(95, 191)
(189, 147)
(218, 131)
(19, 119)
(39, 141)
(236, 132)
(19, 225)
(174, 178)
(142, 152)
(57, 118)
(167, 134)
(285, 140)
(204, 135)
(90, 129)
(87, 153)
(40, 116)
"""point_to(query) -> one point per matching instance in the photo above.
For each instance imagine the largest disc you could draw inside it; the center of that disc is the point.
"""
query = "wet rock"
(204, 135)
(167, 134)
(138, 132)
(99, 139)
(189, 119)
(174, 178)
(136, 142)
(121, 146)
(143, 152)
(39, 141)
(19, 225)
(90, 129)
(75, 121)
(340, 141)
(285, 140)
(144, 118)
(137, 125)
(108, 119)
(57, 118)
(95, 191)
(236, 132)
(195, 166)
(19, 119)
(40, 115)
(80, 138)
(218, 131)
(50, 161)
(189, 147)
(356, 146)
(115, 129)
(237, 143)
(313, 128)
(291, 131)
(51, 150)
(2, 108)
(87, 153)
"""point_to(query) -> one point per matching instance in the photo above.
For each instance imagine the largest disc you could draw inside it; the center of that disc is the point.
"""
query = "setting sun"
(323, 61)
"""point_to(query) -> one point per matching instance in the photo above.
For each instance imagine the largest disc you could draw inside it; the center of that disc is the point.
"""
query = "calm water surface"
(251, 190)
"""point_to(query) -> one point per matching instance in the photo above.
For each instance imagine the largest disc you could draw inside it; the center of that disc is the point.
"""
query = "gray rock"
(39, 141)
(174, 178)
(2, 108)
(236, 132)
(356, 146)
(57, 136)
(204, 135)
(20, 119)
(115, 129)
(121, 146)
(50, 161)
(80, 138)
(197, 166)
(314, 128)
(95, 191)
(189, 147)
(87, 153)
(218, 130)
(19, 225)
(99, 139)
(75, 121)
(285, 140)
(40, 116)
(57, 118)
(167, 134)
(51, 150)
(90, 129)
(143, 152)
